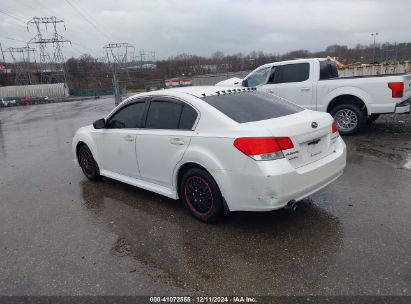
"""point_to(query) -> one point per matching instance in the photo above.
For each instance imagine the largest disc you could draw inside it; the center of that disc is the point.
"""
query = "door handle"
(128, 138)
(305, 89)
(177, 141)
(270, 91)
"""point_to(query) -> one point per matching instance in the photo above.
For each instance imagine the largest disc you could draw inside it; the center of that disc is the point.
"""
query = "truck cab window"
(293, 73)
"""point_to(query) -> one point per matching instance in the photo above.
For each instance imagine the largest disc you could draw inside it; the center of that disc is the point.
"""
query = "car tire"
(350, 118)
(371, 118)
(88, 164)
(201, 195)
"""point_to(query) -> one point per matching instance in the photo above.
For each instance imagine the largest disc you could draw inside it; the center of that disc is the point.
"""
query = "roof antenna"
(204, 94)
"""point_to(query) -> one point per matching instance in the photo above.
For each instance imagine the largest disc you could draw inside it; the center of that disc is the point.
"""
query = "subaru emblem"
(314, 124)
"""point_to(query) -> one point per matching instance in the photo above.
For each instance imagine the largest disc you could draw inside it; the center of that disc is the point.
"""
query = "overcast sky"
(171, 27)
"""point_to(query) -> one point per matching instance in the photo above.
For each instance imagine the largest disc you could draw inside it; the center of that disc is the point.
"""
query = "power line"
(91, 17)
(9, 38)
(88, 20)
(11, 15)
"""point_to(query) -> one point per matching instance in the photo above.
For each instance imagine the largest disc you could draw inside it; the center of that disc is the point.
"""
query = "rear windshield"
(247, 107)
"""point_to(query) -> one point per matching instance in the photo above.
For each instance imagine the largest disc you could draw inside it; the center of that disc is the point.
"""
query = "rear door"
(294, 83)
(162, 142)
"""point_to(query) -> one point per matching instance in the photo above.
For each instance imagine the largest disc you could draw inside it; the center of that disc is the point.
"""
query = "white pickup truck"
(314, 84)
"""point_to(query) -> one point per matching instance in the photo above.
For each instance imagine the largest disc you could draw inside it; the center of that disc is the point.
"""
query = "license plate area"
(314, 149)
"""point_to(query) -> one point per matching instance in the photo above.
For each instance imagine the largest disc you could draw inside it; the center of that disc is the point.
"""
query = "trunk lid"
(310, 132)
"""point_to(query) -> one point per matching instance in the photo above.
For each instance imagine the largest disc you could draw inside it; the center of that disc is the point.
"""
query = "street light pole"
(373, 50)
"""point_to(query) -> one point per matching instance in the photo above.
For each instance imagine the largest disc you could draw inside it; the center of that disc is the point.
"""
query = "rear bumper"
(403, 107)
(398, 108)
(271, 189)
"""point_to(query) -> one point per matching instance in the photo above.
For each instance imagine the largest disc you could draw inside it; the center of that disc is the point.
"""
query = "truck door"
(294, 83)
(270, 85)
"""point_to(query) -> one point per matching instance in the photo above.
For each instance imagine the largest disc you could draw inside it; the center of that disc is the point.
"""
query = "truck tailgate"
(407, 87)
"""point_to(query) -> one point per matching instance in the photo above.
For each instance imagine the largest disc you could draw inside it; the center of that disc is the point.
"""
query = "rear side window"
(170, 115)
(163, 115)
(128, 117)
(247, 107)
(293, 73)
(328, 70)
(188, 118)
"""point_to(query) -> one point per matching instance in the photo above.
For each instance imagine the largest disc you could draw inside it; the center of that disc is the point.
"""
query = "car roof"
(197, 91)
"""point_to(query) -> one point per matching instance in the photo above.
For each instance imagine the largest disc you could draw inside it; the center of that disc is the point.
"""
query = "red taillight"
(285, 143)
(263, 148)
(334, 128)
(397, 89)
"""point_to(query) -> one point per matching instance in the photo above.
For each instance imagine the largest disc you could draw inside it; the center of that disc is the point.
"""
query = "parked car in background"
(9, 101)
(314, 84)
(225, 150)
(39, 99)
(26, 100)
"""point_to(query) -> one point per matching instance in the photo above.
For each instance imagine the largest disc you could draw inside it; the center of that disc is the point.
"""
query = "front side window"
(128, 117)
(293, 73)
(257, 78)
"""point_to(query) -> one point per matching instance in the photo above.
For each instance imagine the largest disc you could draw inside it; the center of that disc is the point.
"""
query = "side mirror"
(244, 83)
(99, 124)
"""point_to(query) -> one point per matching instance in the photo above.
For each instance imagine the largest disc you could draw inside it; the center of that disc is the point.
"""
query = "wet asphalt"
(61, 234)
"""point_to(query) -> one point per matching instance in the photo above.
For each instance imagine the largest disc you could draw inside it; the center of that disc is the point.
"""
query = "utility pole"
(52, 64)
(118, 56)
(2, 54)
(21, 60)
(374, 35)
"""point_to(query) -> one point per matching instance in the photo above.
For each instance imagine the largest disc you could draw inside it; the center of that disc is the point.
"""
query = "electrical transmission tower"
(51, 63)
(144, 59)
(22, 67)
(118, 55)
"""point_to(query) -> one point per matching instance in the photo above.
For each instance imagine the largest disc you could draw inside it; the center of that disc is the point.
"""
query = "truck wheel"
(371, 118)
(349, 118)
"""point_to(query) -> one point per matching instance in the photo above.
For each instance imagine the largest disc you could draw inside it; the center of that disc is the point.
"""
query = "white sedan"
(217, 149)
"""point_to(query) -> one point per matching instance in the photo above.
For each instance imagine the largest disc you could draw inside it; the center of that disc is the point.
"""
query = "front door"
(117, 142)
